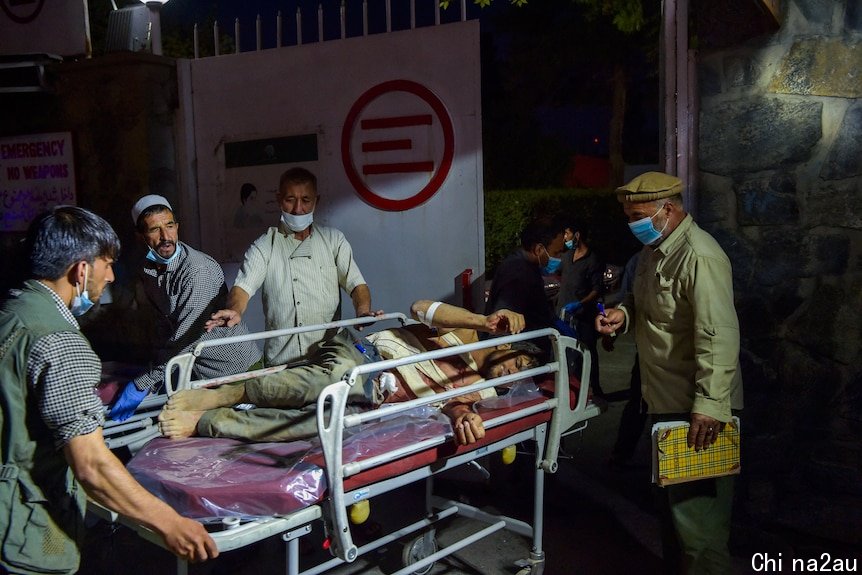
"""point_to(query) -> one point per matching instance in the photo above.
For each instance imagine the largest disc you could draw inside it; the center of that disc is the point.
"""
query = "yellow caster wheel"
(359, 512)
(508, 454)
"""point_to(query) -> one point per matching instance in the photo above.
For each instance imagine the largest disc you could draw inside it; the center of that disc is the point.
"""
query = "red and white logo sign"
(397, 145)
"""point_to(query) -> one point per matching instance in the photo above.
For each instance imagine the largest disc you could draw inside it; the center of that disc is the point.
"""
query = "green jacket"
(41, 505)
(685, 323)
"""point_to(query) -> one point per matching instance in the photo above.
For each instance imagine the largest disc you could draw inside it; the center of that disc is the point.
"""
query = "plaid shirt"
(184, 294)
(62, 372)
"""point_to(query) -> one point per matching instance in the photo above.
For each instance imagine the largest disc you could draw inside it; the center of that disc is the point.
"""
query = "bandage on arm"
(439, 314)
(427, 317)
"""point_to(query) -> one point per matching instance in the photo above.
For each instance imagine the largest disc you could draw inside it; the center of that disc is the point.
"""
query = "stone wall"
(780, 187)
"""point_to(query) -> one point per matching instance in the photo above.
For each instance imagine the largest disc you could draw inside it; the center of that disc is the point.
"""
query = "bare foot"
(203, 399)
(179, 424)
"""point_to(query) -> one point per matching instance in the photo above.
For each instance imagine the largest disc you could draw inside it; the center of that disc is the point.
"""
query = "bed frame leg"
(291, 548)
(291, 559)
(537, 556)
(429, 496)
(532, 566)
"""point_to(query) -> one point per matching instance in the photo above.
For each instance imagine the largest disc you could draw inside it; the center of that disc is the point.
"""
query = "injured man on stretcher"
(284, 403)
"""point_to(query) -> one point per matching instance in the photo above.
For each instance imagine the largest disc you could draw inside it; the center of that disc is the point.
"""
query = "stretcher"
(347, 476)
(142, 426)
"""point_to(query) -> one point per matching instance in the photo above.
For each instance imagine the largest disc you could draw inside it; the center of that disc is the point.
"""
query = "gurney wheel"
(420, 548)
(530, 567)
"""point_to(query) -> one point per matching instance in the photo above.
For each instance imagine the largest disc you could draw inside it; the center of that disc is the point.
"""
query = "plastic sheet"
(520, 391)
(210, 479)
(392, 432)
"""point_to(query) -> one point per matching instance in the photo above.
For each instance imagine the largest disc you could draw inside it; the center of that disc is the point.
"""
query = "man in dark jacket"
(518, 284)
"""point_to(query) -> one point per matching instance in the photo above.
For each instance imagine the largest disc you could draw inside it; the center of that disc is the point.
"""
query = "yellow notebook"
(675, 462)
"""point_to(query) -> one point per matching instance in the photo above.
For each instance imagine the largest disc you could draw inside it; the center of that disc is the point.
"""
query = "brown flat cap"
(650, 186)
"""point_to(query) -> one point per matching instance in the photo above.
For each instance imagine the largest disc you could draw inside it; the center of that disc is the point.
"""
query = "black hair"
(535, 233)
(531, 349)
(245, 191)
(535, 353)
(65, 235)
(572, 224)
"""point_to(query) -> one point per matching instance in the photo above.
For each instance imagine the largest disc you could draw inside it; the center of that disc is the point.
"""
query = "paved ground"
(597, 520)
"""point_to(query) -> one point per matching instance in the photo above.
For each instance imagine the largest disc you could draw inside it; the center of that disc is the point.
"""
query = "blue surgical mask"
(154, 256)
(645, 231)
(297, 223)
(570, 244)
(552, 266)
(82, 303)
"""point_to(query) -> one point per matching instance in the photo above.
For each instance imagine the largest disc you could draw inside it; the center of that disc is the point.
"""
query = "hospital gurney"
(349, 480)
(142, 426)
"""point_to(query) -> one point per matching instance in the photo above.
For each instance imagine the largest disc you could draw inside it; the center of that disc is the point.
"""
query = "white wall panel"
(310, 89)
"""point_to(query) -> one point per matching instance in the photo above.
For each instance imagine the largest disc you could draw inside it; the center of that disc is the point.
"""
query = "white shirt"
(300, 281)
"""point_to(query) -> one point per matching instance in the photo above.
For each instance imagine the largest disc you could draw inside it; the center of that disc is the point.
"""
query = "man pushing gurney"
(286, 401)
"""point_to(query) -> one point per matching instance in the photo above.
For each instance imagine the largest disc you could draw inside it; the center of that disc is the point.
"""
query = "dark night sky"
(188, 12)
(579, 126)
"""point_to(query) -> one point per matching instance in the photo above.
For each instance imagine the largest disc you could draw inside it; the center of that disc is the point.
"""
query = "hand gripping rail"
(184, 363)
(564, 420)
(139, 428)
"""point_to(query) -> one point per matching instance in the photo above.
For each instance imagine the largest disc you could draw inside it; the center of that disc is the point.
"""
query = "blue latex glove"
(565, 329)
(128, 401)
(572, 307)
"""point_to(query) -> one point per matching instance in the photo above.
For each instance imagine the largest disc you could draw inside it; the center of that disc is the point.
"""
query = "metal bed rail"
(183, 363)
(333, 422)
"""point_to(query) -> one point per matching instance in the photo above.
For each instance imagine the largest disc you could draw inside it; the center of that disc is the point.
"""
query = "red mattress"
(208, 479)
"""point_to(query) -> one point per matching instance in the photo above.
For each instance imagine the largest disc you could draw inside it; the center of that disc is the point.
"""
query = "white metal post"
(278, 29)
(257, 31)
(298, 26)
(320, 22)
(155, 27)
(236, 35)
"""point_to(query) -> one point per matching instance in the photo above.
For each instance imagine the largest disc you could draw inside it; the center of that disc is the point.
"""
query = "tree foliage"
(597, 211)
(626, 15)
(484, 3)
(554, 73)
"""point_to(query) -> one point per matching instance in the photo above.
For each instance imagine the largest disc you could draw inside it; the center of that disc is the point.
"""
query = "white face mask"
(297, 223)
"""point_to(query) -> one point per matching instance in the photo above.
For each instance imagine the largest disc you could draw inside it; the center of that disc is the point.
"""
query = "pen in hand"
(601, 308)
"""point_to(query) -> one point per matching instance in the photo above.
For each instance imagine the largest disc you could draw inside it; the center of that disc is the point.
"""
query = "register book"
(675, 462)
